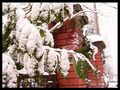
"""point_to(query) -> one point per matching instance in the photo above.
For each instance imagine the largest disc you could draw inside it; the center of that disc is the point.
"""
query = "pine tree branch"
(72, 52)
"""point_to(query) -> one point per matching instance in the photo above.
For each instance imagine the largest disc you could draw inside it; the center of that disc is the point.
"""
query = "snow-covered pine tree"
(28, 45)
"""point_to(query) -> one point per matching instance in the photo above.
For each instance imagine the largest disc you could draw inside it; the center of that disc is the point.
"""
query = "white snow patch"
(12, 6)
(20, 58)
(44, 14)
(64, 63)
(7, 58)
(30, 65)
(4, 20)
(45, 6)
(80, 56)
(32, 41)
(57, 6)
(21, 23)
(5, 6)
(40, 51)
(95, 38)
(4, 23)
(9, 71)
(49, 38)
(41, 65)
(52, 59)
(22, 71)
(11, 48)
(12, 85)
(20, 13)
(12, 34)
(35, 11)
(24, 35)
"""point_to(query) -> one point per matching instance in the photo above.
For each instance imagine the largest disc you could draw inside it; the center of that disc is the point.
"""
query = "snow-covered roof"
(96, 38)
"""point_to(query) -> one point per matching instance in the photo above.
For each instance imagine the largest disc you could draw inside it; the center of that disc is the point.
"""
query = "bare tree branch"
(110, 6)
(100, 13)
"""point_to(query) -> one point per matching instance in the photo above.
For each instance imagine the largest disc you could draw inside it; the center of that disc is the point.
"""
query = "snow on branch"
(80, 13)
(9, 72)
(32, 54)
(110, 6)
(80, 55)
(64, 62)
